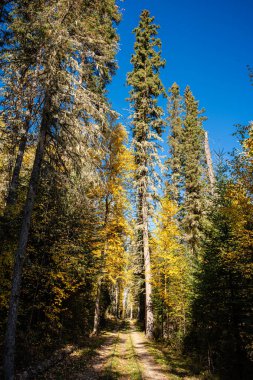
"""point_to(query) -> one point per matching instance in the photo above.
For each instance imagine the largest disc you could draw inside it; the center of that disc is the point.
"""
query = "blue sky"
(207, 44)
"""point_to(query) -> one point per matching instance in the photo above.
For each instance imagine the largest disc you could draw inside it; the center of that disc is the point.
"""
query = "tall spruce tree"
(147, 128)
(175, 162)
(193, 161)
(71, 40)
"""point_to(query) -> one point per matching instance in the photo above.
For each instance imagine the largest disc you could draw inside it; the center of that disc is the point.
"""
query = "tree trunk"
(147, 266)
(124, 302)
(209, 163)
(131, 311)
(164, 327)
(141, 317)
(97, 309)
(116, 301)
(11, 197)
(12, 193)
(13, 187)
(141, 308)
(10, 338)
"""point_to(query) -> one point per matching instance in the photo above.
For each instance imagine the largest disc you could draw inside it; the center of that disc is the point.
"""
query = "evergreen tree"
(193, 161)
(175, 161)
(147, 128)
(68, 38)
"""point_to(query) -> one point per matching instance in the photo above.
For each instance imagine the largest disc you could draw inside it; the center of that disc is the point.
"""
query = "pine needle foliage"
(147, 127)
(175, 161)
(193, 158)
(69, 49)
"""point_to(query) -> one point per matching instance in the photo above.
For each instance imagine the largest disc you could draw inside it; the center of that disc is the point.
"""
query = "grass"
(178, 366)
(123, 361)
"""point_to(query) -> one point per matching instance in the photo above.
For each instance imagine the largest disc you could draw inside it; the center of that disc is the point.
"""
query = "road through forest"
(123, 353)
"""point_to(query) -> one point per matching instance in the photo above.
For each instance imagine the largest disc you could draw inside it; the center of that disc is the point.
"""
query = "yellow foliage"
(170, 266)
(239, 214)
(117, 171)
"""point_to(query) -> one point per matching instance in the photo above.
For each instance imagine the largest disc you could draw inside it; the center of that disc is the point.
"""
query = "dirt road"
(123, 354)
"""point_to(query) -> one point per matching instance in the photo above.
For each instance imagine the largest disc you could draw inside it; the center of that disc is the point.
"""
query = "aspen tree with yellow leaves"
(171, 273)
(114, 226)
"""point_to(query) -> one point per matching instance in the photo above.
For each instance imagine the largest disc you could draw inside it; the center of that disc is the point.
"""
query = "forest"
(105, 238)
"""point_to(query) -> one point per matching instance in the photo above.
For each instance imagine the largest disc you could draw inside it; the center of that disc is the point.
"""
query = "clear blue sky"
(207, 44)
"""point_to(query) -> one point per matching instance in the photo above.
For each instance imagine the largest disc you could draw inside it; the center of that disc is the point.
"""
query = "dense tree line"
(93, 221)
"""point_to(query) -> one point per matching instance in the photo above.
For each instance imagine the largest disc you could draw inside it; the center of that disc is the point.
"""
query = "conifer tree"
(147, 128)
(175, 161)
(19, 116)
(69, 38)
(193, 161)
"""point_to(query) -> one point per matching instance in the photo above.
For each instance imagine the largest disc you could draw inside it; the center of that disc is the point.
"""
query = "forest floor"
(121, 353)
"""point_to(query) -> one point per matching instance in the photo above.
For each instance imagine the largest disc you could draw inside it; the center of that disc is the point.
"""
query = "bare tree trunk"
(11, 197)
(141, 316)
(124, 302)
(97, 309)
(131, 311)
(10, 338)
(147, 266)
(142, 298)
(116, 301)
(209, 163)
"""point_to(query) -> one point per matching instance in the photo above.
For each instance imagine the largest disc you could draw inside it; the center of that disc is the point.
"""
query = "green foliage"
(147, 127)
(55, 65)
(194, 252)
(221, 333)
(175, 141)
(193, 158)
(146, 88)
